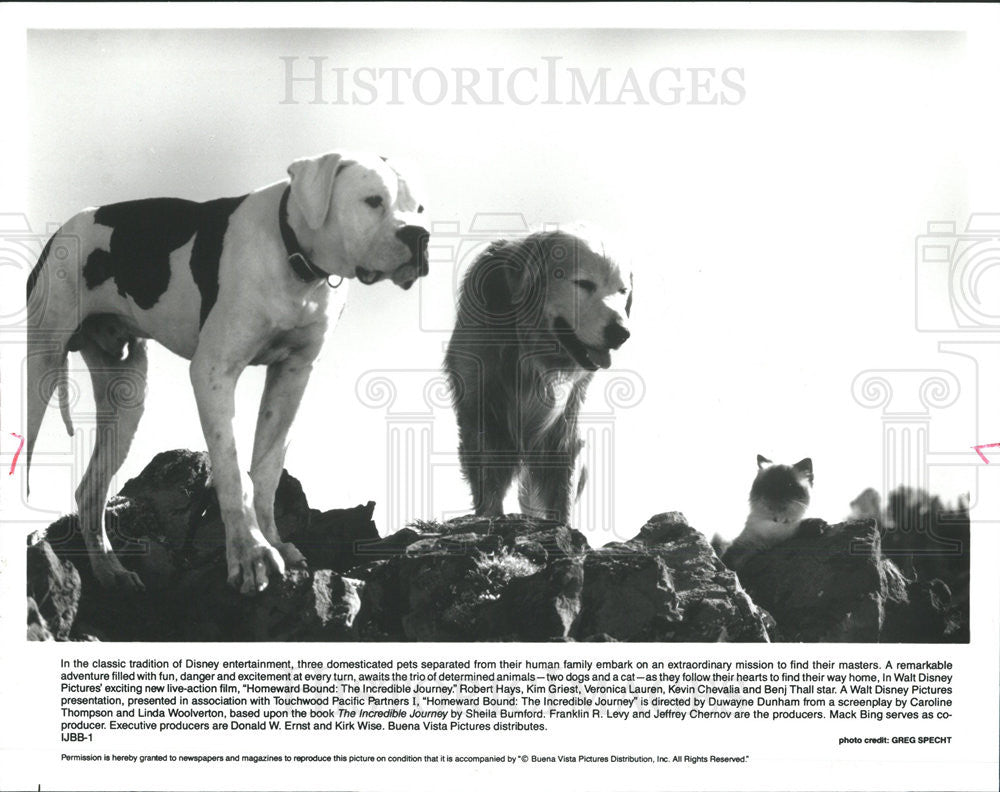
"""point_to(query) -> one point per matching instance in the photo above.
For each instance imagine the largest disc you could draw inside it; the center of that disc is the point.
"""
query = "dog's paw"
(112, 576)
(290, 553)
(249, 565)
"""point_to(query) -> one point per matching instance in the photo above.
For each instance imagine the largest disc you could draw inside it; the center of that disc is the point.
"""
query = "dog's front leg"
(283, 389)
(552, 481)
(248, 553)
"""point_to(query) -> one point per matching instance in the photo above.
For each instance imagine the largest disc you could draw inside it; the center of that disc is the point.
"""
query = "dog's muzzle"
(416, 239)
(367, 276)
(588, 357)
(615, 335)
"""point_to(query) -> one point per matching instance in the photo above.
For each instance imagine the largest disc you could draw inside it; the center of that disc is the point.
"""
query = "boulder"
(517, 579)
(665, 584)
(53, 592)
(165, 525)
(173, 493)
(544, 605)
(337, 539)
(38, 630)
(831, 583)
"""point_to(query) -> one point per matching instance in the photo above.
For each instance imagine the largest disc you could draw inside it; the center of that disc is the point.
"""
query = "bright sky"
(773, 240)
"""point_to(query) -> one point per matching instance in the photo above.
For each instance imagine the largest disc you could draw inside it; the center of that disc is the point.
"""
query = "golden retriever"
(537, 316)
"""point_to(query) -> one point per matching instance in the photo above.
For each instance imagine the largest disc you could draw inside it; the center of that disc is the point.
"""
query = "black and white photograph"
(489, 332)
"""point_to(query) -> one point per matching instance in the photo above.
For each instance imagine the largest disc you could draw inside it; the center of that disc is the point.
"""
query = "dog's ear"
(506, 281)
(804, 467)
(312, 185)
(631, 291)
(541, 257)
(521, 271)
(523, 274)
(486, 287)
(763, 462)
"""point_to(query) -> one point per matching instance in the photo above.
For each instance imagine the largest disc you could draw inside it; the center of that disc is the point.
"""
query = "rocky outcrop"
(165, 525)
(53, 593)
(931, 542)
(38, 630)
(517, 579)
(832, 583)
(666, 584)
(470, 579)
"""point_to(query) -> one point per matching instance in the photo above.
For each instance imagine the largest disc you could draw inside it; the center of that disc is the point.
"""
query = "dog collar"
(300, 263)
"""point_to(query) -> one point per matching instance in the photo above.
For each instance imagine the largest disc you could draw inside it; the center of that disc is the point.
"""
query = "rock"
(930, 542)
(54, 587)
(514, 578)
(428, 596)
(508, 578)
(925, 613)
(166, 526)
(474, 579)
(291, 509)
(292, 515)
(665, 584)
(830, 583)
(338, 539)
(825, 584)
(174, 492)
(140, 541)
(544, 606)
(387, 547)
(338, 602)
(38, 630)
(308, 607)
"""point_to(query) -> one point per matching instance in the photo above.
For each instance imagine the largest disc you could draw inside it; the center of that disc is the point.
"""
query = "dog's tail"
(62, 393)
(46, 358)
(47, 374)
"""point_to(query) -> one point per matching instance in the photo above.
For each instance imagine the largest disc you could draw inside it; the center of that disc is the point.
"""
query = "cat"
(779, 498)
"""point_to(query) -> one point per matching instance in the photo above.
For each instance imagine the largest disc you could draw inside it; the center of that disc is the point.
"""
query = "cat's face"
(781, 492)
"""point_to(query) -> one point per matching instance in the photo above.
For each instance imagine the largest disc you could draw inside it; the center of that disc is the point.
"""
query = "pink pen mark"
(16, 453)
(988, 445)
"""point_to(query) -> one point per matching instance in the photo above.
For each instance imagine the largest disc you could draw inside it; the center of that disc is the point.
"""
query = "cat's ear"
(804, 467)
(763, 462)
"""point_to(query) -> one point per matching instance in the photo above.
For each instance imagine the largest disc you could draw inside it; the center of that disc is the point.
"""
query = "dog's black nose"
(615, 335)
(416, 239)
